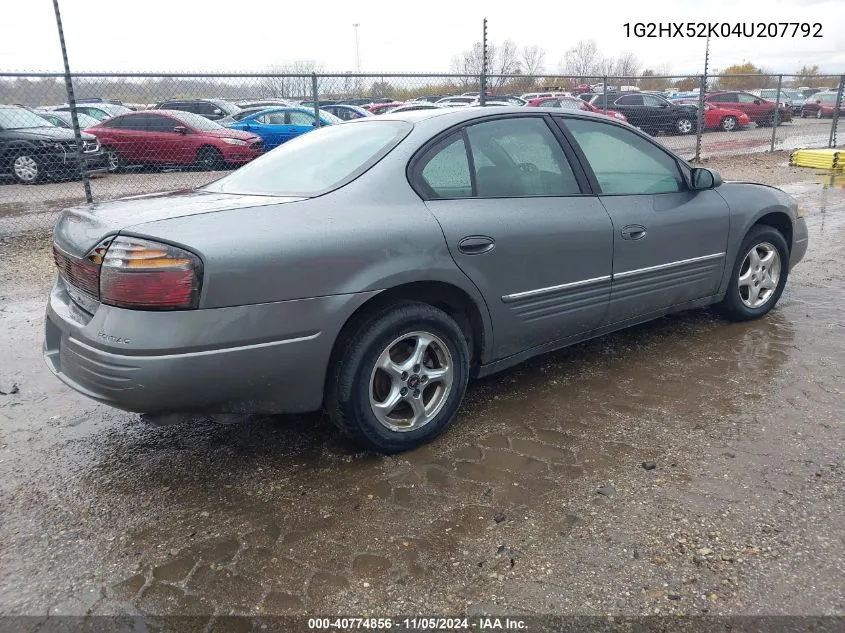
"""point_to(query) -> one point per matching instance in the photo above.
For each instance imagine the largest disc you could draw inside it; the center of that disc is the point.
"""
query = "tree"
(381, 89)
(688, 83)
(650, 81)
(583, 60)
(808, 76)
(282, 84)
(501, 60)
(732, 78)
(626, 65)
(532, 60)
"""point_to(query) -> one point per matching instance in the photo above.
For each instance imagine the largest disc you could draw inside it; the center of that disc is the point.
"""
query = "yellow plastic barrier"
(831, 158)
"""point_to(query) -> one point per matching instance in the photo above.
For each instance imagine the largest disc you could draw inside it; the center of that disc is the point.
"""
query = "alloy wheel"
(411, 381)
(759, 275)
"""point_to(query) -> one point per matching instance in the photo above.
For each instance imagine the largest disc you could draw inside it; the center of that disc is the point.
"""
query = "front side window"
(728, 97)
(629, 100)
(744, 97)
(623, 161)
(517, 157)
(160, 123)
(653, 100)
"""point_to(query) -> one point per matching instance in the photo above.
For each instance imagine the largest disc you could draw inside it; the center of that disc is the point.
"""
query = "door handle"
(634, 232)
(476, 244)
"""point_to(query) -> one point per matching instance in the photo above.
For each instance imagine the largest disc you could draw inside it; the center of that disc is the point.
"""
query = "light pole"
(357, 60)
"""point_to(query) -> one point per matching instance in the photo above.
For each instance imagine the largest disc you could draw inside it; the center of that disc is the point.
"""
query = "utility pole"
(357, 60)
(71, 101)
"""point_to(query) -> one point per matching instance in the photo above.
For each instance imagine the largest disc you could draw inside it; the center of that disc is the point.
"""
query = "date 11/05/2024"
(723, 29)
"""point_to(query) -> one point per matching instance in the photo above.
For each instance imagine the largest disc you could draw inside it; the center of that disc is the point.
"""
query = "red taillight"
(81, 273)
(146, 275)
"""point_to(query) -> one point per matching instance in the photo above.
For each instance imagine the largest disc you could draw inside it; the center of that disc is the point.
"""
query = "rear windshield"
(316, 162)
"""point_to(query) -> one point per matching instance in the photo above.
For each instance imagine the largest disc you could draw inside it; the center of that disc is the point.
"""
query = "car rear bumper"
(266, 358)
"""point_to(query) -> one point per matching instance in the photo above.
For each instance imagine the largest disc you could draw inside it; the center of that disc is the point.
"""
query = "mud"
(536, 500)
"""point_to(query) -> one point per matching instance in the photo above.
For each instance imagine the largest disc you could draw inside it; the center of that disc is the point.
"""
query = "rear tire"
(758, 276)
(210, 159)
(374, 366)
(684, 125)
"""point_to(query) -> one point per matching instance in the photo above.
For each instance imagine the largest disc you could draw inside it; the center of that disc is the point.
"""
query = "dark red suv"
(169, 137)
(759, 110)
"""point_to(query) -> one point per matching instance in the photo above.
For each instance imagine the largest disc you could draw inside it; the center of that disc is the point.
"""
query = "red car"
(718, 118)
(759, 110)
(171, 137)
(572, 103)
(821, 105)
(581, 88)
(381, 108)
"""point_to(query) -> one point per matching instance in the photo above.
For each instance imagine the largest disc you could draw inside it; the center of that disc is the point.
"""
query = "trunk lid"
(79, 229)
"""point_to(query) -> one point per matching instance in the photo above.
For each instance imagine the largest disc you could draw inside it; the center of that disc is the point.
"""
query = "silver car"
(372, 268)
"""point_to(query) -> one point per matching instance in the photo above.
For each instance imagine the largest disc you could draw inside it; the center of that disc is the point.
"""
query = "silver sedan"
(373, 268)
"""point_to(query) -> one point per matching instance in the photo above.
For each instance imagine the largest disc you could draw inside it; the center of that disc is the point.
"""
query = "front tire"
(729, 124)
(398, 377)
(27, 168)
(759, 275)
(210, 159)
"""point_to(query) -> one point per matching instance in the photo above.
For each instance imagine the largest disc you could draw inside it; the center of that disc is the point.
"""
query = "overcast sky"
(395, 36)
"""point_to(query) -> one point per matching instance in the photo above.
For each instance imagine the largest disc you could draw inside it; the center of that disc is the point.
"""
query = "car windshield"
(196, 121)
(331, 118)
(85, 121)
(21, 119)
(829, 97)
(317, 162)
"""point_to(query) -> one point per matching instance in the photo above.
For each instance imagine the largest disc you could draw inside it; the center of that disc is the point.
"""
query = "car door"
(632, 107)
(165, 146)
(520, 222)
(272, 127)
(126, 134)
(299, 123)
(755, 107)
(669, 242)
(726, 100)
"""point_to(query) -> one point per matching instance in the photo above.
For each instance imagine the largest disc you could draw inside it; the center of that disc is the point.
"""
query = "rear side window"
(624, 162)
(445, 171)
(315, 163)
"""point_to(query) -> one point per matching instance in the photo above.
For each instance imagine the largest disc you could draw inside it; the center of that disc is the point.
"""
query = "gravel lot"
(688, 466)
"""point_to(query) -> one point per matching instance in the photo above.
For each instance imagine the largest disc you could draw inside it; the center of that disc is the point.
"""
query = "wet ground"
(689, 465)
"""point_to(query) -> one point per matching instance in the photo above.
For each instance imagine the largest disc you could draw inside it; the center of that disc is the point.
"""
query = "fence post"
(699, 123)
(482, 81)
(604, 98)
(835, 121)
(776, 117)
(315, 95)
(71, 101)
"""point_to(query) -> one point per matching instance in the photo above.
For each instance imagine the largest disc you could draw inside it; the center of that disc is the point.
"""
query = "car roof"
(447, 117)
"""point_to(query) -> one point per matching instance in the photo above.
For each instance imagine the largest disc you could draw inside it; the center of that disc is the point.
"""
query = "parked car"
(456, 101)
(809, 92)
(365, 269)
(528, 96)
(581, 88)
(32, 148)
(347, 112)
(431, 98)
(323, 103)
(241, 114)
(414, 105)
(586, 96)
(381, 108)
(651, 113)
(759, 110)
(266, 103)
(789, 98)
(212, 109)
(279, 125)
(62, 118)
(511, 99)
(725, 119)
(173, 137)
(100, 111)
(822, 104)
(572, 103)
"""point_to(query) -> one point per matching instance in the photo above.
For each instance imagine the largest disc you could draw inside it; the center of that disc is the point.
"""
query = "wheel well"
(451, 299)
(781, 222)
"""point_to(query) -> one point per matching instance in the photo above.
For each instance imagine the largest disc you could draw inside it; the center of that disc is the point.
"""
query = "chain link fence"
(144, 133)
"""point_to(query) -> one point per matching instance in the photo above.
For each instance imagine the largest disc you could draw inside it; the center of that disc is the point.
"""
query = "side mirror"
(180, 129)
(703, 178)
(218, 111)
(247, 126)
(757, 101)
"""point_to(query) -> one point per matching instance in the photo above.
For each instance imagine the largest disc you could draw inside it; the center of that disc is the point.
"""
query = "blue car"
(277, 125)
(347, 112)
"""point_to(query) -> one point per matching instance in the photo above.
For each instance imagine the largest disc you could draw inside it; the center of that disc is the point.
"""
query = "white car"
(457, 101)
(528, 96)
(415, 105)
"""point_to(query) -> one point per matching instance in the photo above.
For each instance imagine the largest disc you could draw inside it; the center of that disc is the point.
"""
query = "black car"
(213, 109)
(650, 112)
(31, 148)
